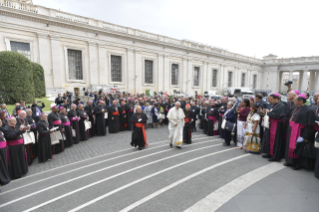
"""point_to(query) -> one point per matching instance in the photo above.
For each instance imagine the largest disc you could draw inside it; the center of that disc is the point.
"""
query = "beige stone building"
(79, 53)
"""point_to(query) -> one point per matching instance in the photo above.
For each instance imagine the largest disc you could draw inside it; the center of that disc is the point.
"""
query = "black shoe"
(224, 144)
(265, 156)
(296, 167)
(178, 147)
(271, 160)
(171, 145)
(287, 164)
(140, 148)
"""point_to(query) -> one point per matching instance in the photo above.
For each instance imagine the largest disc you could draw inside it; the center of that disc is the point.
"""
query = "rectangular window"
(196, 76)
(214, 78)
(254, 81)
(243, 79)
(230, 79)
(149, 71)
(174, 74)
(22, 48)
(116, 68)
(75, 64)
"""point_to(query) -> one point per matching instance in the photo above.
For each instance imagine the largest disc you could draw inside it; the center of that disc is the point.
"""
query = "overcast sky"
(286, 28)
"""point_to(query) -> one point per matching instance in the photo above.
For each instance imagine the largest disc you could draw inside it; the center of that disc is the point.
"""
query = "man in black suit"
(195, 113)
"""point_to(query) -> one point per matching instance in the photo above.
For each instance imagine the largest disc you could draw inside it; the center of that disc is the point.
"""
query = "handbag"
(73, 133)
(254, 145)
(230, 126)
(306, 149)
(88, 125)
(317, 140)
(223, 124)
(56, 137)
(106, 115)
(28, 138)
(266, 121)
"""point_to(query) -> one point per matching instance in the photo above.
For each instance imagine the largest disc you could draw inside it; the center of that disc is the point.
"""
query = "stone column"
(93, 64)
(139, 68)
(160, 72)
(166, 74)
(220, 80)
(312, 81)
(104, 72)
(203, 77)
(189, 75)
(56, 66)
(303, 81)
(130, 70)
(291, 74)
(317, 82)
(45, 61)
(185, 75)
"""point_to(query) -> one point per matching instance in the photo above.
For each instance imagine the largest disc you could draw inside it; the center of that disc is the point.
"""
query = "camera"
(288, 83)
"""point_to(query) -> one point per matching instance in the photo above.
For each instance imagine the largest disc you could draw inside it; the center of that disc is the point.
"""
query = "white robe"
(175, 126)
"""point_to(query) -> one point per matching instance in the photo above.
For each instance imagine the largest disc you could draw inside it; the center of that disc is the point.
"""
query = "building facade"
(83, 53)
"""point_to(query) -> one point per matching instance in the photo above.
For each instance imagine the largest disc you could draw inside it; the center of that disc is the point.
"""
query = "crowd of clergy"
(276, 129)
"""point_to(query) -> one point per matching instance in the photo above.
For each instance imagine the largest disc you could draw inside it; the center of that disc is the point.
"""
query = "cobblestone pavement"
(106, 174)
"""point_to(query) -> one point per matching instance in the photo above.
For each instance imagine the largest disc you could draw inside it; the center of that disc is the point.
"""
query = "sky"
(286, 28)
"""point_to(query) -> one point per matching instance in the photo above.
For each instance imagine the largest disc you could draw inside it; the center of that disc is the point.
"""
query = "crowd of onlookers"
(278, 130)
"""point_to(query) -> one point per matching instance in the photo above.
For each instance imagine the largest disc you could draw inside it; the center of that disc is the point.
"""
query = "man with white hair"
(176, 124)
(22, 120)
(138, 120)
(54, 121)
(18, 164)
(315, 98)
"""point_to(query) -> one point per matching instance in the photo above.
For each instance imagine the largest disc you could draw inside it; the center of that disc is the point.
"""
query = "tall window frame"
(75, 64)
(254, 81)
(243, 79)
(116, 68)
(196, 76)
(148, 71)
(8, 41)
(175, 74)
(230, 79)
(214, 77)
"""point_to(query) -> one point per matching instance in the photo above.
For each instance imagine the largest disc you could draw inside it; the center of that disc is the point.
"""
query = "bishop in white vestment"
(176, 123)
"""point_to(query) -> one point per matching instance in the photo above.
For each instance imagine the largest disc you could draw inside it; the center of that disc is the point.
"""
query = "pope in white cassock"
(176, 123)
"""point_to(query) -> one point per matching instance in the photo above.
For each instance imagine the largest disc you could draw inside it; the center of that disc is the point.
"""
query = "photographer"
(288, 84)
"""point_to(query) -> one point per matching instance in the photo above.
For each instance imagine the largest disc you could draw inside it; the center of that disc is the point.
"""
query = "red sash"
(67, 123)
(15, 142)
(294, 135)
(115, 113)
(187, 120)
(3, 144)
(272, 130)
(57, 122)
(141, 125)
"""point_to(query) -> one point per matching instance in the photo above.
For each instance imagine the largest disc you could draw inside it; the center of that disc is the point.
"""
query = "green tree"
(39, 81)
(16, 81)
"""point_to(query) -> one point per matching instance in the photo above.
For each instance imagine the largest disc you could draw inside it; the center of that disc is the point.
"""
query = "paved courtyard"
(106, 174)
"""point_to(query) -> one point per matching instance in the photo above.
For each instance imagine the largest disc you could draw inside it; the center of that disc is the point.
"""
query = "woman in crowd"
(229, 116)
(155, 112)
(252, 126)
(147, 110)
(251, 100)
(242, 111)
